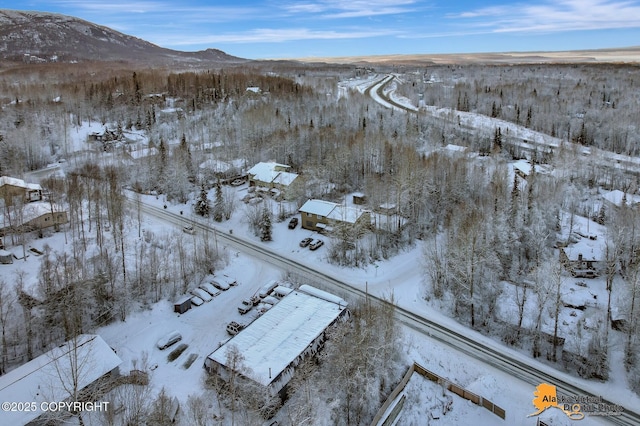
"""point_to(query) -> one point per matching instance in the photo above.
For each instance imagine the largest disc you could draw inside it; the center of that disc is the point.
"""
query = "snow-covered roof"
(591, 250)
(345, 214)
(280, 335)
(6, 180)
(30, 211)
(284, 178)
(524, 166)
(319, 207)
(44, 378)
(142, 153)
(217, 166)
(616, 196)
(273, 173)
(332, 211)
(313, 291)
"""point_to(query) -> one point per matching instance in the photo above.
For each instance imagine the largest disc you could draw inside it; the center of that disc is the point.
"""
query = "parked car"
(245, 306)
(202, 294)
(263, 307)
(281, 291)
(189, 230)
(209, 289)
(267, 289)
(168, 340)
(316, 244)
(306, 242)
(270, 300)
(231, 281)
(237, 182)
(195, 300)
(220, 285)
(293, 223)
(234, 328)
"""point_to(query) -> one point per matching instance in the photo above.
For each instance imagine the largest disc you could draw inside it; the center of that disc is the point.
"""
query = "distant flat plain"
(614, 55)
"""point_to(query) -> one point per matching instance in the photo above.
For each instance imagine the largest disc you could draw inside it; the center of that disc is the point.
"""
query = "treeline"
(105, 274)
(590, 104)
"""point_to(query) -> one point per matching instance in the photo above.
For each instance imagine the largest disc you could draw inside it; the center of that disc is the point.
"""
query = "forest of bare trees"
(479, 224)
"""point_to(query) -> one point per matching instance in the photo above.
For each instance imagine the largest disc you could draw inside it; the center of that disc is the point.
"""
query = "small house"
(271, 175)
(585, 258)
(32, 217)
(86, 362)
(10, 188)
(320, 215)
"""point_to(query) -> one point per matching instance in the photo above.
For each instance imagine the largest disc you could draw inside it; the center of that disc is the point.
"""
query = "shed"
(359, 198)
(6, 257)
(182, 305)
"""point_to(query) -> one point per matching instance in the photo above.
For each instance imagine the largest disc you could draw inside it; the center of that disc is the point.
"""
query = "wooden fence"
(476, 399)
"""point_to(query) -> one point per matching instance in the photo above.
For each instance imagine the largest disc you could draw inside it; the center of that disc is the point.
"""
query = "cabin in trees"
(270, 348)
(319, 215)
(10, 188)
(524, 168)
(226, 171)
(585, 258)
(85, 364)
(271, 175)
(31, 217)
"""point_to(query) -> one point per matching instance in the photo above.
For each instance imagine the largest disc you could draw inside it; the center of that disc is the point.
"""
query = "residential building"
(319, 215)
(270, 175)
(76, 366)
(585, 258)
(10, 188)
(31, 217)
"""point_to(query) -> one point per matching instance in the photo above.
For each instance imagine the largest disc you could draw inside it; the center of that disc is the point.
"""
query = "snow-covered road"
(433, 324)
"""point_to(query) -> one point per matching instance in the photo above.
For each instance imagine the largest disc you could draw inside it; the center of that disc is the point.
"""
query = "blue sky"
(307, 28)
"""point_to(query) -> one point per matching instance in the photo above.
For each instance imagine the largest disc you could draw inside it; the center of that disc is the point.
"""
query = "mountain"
(27, 36)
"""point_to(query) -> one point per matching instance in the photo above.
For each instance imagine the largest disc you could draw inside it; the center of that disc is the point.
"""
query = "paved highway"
(541, 143)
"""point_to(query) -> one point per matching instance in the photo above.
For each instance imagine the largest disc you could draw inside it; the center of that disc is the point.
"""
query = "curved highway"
(604, 159)
(495, 355)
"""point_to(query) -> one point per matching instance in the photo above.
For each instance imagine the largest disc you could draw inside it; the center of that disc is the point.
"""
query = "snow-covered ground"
(203, 327)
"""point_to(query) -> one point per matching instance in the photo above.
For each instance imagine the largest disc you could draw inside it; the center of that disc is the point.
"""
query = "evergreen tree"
(497, 139)
(265, 225)
(202, 203)
(218, 207)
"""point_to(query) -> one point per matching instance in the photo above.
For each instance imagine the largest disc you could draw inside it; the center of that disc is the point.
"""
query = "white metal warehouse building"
(274, 344)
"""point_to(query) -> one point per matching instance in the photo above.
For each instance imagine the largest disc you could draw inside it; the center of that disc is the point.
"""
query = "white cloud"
(181, 11)
(563, 15)
(267, 35)
(351, 9)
